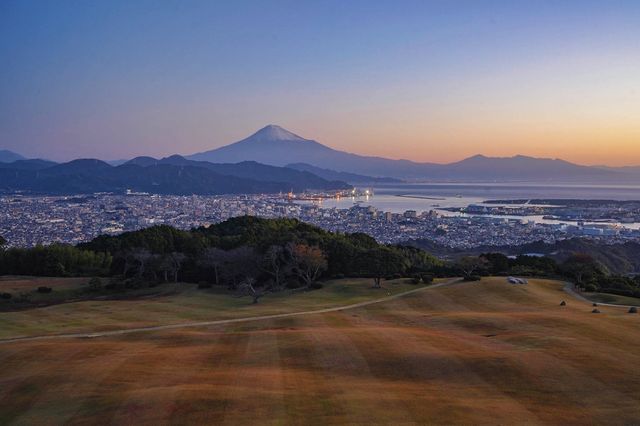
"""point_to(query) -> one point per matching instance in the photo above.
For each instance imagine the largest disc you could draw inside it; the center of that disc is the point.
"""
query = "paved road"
(568, 288)
(220, 322)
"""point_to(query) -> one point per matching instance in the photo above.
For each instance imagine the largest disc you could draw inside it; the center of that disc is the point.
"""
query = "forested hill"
(621, 258)
(173, 175)
(345, 254)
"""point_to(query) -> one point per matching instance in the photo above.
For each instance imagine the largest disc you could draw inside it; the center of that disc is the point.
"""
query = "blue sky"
(425, 80)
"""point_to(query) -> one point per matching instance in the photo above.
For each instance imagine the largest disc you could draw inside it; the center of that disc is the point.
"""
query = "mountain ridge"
(172, 175)
(277, 146)
(7, 156)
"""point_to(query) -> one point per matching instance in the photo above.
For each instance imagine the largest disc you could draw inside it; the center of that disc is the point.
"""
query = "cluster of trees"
(582, 269)
(254, 256)
(285, 251)
(591, 275)
(53, 260)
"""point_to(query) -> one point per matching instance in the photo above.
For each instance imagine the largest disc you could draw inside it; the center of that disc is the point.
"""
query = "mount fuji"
(277, 146)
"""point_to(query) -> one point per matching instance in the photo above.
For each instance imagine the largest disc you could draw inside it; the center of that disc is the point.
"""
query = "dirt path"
(221, 322)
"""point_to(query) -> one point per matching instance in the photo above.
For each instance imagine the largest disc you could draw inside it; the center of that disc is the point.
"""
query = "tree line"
(254, 256)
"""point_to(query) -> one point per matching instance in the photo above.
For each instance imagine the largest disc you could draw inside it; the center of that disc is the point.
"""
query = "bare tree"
(214, 258)
(240, 263)
(176, 259)
(274, 263)
(309, 262)
(139, 257)
(248, 287)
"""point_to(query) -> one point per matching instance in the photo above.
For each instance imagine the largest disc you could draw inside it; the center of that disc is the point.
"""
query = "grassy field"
(18, 284)
(612, 298)
(180, 303)
(469, 353)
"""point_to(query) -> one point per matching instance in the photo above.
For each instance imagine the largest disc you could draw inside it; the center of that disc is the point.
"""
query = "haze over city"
(427, 81)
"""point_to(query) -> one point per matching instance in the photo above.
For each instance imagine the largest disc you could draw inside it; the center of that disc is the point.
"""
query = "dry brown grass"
(13, 284)
(472, 353)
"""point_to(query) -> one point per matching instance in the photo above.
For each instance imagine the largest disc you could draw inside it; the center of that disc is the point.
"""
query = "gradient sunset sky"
(424, 80)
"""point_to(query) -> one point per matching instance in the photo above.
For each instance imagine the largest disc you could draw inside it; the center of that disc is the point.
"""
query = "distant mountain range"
(273, 153)
(343, 176)
(277, 146)
(172, 175)
(7, 156)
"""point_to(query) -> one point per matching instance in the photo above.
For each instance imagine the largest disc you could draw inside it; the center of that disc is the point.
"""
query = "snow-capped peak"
(274, 133)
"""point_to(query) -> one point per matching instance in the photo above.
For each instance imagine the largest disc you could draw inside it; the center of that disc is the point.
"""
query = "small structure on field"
(563, 303)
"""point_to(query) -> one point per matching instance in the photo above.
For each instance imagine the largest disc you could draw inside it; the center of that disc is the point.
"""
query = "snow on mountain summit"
(274, 133)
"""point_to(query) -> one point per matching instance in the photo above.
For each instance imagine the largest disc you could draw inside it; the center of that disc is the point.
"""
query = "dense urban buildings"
(30, 220)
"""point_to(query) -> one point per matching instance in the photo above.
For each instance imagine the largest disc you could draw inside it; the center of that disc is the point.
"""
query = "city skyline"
(430, 82)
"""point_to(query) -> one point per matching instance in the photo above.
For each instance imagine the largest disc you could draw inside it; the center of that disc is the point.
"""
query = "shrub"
(415, 280)
(204, 284)
(95, 284)
(132, 283)
(426, 278)
(470, 278)
(116, 283)
(44, 289)
(23, 297)
(633, 310)
(6, 296)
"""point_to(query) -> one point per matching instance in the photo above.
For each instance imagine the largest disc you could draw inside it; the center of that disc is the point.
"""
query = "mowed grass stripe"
(47, 366)
(309, 396)
(60, 384)
(366, 398)
(426, 366)
(555, 369)
(256, 382)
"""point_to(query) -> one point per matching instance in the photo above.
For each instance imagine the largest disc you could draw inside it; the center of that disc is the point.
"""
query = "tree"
(380, 262)
(213, 258)
(308, 262)
(496, 262)
(135, 258)
(248, 287)
(274, 263)
(471, 264)
(240, 264)
(175, 260)
(582, 268)
(3, 242)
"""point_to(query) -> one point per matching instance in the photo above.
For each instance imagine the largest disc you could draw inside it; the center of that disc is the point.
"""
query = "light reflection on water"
(424, 197)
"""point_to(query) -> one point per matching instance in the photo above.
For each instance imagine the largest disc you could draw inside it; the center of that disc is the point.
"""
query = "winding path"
(220, 322)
